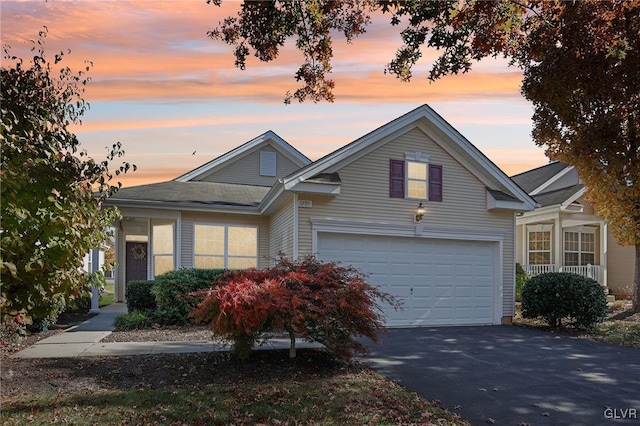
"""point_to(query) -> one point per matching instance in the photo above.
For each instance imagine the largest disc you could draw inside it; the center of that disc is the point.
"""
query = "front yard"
(624, 332)
(191, 389)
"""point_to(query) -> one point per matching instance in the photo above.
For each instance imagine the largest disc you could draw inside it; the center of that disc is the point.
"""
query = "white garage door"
(441, 282)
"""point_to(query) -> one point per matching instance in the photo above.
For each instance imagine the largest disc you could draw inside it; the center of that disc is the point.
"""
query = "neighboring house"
(565, 234)
(357, 205)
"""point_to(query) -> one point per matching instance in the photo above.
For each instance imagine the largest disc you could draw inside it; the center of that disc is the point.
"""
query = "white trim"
(539, 228)
(417, 157)
(225, 226)
(178, 237)
(225, 159)
(548, 183)
(493, 204)
(185, 207)
(573, 198)
(317, 188)
(320, 225)
(295, 226)
(405, 123)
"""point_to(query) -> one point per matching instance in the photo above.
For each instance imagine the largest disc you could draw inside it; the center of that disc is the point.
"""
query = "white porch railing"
(538, 269)
(589, 271)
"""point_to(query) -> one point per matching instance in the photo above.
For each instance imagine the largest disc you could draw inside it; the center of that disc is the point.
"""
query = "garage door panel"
(440, 281)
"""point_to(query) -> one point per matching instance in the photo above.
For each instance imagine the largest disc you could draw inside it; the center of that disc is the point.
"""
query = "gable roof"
(536, 178)
(283, 147)
(558, 196)
(439, 130)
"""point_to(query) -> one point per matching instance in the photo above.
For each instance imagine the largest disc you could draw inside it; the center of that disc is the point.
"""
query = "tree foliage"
(321, 302)
(580, 60)
(52, 192)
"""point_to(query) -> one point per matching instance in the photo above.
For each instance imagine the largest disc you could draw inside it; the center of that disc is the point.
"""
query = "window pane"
(571, 241)
(209, 239)
(571, 259)
(241, 263)
(588, 243)
(417, 189)
(539, 258)
(163, 239)
(243, 241)
(587, 259)
(417, 171)
(162, 264)
(209, 262)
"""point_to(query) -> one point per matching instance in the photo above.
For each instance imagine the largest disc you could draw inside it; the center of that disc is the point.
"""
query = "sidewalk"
(84, 341)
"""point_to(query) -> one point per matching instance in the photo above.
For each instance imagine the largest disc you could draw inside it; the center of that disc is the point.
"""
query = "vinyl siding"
(281, 230)
(190, 219)
(365, 197)
(620, 267)
(246, 170)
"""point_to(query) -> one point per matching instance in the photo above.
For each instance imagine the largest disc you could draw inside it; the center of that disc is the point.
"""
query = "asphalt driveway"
(515, 375)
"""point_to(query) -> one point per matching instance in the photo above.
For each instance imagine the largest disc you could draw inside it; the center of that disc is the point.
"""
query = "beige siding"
(281, 230)
(620, 267)
(246, 170)
(365, 197)
(189, 219)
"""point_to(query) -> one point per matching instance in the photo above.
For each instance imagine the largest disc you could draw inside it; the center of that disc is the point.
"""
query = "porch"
(594, 272)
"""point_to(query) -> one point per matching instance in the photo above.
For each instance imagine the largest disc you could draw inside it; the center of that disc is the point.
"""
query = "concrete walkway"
(83, 340)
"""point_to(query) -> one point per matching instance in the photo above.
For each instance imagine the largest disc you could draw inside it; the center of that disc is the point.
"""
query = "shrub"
(556, 296)
(139, 296)
(320, 302)
(134, 320)
(520, 282)
(172, 292)
(42, 323)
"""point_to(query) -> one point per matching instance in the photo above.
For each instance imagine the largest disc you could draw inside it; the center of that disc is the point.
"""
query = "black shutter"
(435, 182)
(396, 178)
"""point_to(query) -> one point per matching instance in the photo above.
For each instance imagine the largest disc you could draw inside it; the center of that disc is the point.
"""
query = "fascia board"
(317, 188)
(453, 135)
(573, 198)
(244, 149)
(163, 205)
(552, 180)
(342, 154)
(517, 206)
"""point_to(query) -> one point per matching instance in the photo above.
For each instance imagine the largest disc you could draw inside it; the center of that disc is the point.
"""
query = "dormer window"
(267, 163)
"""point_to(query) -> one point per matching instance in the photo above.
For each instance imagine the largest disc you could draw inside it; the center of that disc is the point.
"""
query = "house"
(413, 204)
(565, 234)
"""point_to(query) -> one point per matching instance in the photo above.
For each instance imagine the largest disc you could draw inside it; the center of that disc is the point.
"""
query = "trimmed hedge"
(140, 296)
(556, 296)
(172, 289)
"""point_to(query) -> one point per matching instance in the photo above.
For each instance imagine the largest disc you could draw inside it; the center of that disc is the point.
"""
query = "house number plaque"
(307, 204)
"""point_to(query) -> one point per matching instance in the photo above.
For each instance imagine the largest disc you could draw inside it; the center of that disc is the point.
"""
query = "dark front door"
(136, 261)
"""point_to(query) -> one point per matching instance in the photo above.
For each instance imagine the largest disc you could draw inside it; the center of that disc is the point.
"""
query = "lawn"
(624, 332)
(209, 389)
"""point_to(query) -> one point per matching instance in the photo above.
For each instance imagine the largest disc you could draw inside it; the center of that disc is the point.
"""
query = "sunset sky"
(164, 89)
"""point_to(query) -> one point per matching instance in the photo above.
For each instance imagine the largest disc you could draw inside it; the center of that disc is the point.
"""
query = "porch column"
(604, 249)
(557, 242)
(95, 292)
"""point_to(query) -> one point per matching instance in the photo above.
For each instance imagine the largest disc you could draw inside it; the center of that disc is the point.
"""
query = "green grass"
(346, 399)
(106, 299)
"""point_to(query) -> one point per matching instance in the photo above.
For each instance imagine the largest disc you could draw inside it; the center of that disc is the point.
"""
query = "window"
(423, 180)
(267, 163)
(416, 180)
(579, 248)
(540, 247)
(223, 246)
(162, 248)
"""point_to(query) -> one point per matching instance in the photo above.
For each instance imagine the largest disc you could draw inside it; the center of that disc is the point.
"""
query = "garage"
(440, 281)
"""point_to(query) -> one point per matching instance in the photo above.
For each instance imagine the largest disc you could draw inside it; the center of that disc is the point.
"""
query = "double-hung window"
(539, 244)
(580, 247)
(225, 246)
(415, 178)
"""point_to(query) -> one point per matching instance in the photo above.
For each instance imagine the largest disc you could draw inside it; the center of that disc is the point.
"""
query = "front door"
(136, 261)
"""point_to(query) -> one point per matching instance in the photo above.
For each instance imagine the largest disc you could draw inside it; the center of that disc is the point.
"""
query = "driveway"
(515, 375)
